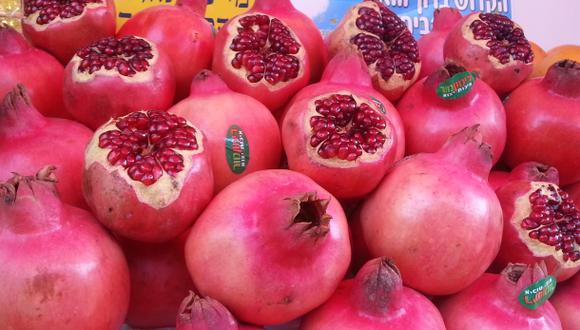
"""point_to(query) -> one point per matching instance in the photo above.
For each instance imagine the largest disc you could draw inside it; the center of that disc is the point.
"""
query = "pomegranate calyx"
(9, 189)
(309, 212)
(563, 78)
(517, 276)
(11, 42)
(204, 313)
(17, 114)
(278, 5)
(447, 71)
(347, 68)
(378, 286)
(535, 171)
(445, 18)
(468, 149)
(207, 83)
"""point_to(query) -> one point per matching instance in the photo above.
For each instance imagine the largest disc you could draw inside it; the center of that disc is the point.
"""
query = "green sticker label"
(379, 105)
(456, 86)
(536, 294)
(237, 149)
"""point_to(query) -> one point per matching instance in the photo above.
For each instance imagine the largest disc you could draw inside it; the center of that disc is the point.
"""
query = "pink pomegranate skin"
(566, 301)
(429, 119)
(28, 141)
(254, 251)
(436, 216)
(60, 269)
(529, 171)
(230, 112)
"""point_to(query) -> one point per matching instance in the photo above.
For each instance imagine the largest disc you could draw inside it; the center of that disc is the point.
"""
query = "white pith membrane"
(138, 77)
(31, 19)
(242, 72)
(157, 195)
(523, 209)
(365, 157)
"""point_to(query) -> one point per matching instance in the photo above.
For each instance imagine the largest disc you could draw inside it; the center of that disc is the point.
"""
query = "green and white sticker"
(536, 294)
(237, 149)
(457, 86)
(379, 105)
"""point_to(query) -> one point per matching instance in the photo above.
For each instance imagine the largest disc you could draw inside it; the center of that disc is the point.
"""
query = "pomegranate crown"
(9, 189)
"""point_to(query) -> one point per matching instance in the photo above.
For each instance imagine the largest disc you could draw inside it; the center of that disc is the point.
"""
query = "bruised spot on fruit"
(44, 285)
(110, 209)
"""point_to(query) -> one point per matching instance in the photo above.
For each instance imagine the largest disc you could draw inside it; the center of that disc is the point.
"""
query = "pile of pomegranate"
(267, 177)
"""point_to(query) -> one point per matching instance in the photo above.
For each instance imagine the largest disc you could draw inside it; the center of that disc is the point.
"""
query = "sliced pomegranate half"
(384, 42)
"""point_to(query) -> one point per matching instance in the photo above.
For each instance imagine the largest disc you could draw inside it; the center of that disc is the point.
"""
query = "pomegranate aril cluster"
(555, 221)
(505, 41)
(264, 49)
(145, 144)
(128, 55)
(49, 10)
(345, 128)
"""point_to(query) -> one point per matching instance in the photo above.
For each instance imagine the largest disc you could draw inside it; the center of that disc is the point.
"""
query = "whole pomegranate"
(436, 216)
(431, 44)
(41, 73)
(60, 269)
(382, 39)
(430, 116)
(492, 303)
(243, 136)
(375, 299)
(341, 132)
(271, 247)
(566, 302)
(260, 55)
(28, 141)
(147, 175)
(492, 46)
(528, 171)
(182, 34)
(113, 77)
(63, 27)
(543, 121)
(554, 55)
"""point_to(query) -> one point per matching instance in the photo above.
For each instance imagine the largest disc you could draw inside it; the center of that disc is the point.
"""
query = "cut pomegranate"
(385, 44)
(62, 27)
(494, 47)
(147, 175)
(113, 77)
(528, 171)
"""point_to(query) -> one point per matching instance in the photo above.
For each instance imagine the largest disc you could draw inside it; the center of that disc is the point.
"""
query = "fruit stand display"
(240, 165)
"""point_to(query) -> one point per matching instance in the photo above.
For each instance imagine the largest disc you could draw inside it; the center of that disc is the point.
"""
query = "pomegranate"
(41, 73)
(556, 54)
(260, 55)
(29, 141)
(242, 134)
(430, 116)
(382, 39)
(305, 29)
(271, 247)
(574, 191)
(60, 269)
(184, 35)
(63, 27)
(375, 299)
(147, 175)
(436, 216)
(494, 47)
(431, 45)
(566, 302)
(204, 313)
(541, 222)
(342, 128)
(198, 6)
(492, 303)
(529, 171)
(543, 121)
(113, 77)
(159, 280)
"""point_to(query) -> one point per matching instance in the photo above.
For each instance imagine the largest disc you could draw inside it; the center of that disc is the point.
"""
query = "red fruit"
(541, 222)
(375, 299)
(243, 136)
(543, 121)
(159, 280)
(204, 313)
(41, 73)
(198, 6)
(567, 303)
(430, 119)
(341, 132)
(261, 55)
(60, 269)
(574, 191)
(62, 28)
(113, 77)
(147, 175)
(29, 141)
(382, 39)
(528, 171)
(492, 303)
(304, 28)
(183, 35)
(271, 246)
(492, 46)
(431, 45)
(436, 216)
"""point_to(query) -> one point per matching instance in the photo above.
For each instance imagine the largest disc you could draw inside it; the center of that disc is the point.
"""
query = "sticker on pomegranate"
(456, 86)
(536, 294)
(237, 149)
